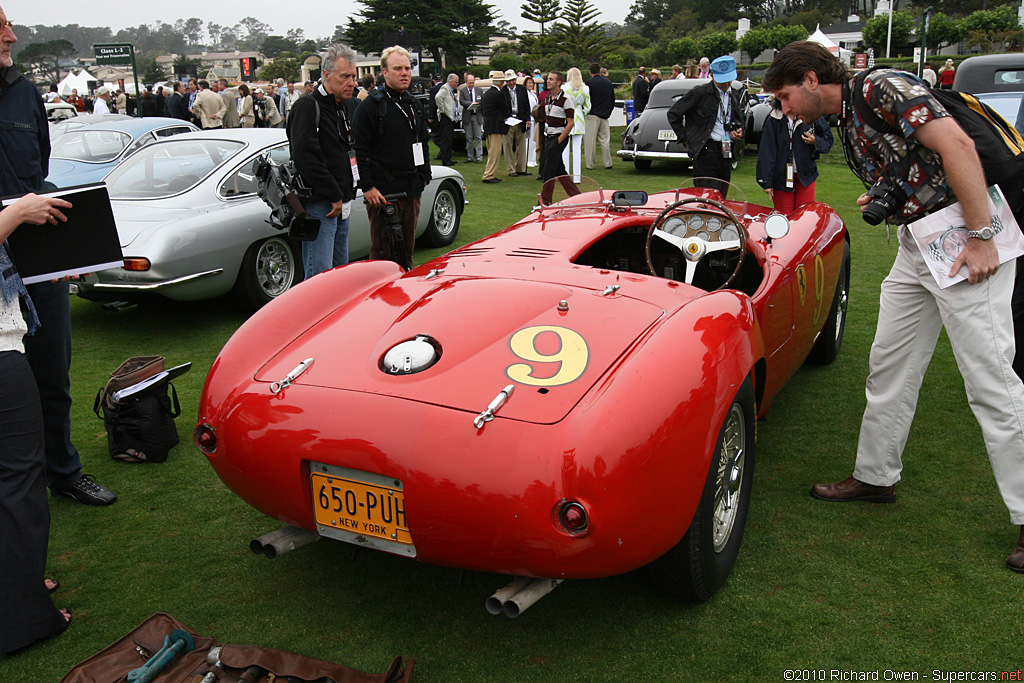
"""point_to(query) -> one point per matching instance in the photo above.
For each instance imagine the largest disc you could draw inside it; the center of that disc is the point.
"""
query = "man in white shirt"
(101, 104)
(288, 98)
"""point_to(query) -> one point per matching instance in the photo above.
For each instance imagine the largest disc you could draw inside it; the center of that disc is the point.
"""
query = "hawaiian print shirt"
(905, 102)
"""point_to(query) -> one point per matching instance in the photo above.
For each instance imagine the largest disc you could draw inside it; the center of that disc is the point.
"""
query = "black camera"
(390, 215)
(730, 126)
(886, 199)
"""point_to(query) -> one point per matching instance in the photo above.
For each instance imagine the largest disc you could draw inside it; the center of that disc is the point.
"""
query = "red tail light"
(572, 517)
(205, 438)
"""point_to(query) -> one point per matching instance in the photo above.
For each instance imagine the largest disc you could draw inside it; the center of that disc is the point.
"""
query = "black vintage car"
(996, 80)
(649, 136)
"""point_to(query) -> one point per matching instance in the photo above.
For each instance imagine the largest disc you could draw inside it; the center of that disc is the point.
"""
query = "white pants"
(572, 157)
(977, 320)
(598, 132)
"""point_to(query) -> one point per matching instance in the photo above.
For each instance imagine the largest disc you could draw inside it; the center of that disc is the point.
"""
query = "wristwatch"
(986, 233)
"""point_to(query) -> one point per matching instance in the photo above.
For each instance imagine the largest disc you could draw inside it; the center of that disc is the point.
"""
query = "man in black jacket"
(709, 118)
(641, 91)
(515, 138)
(177, 103)
(602, 101)
(25, 145)
(496, 107)
(390, 132)
(320, 134)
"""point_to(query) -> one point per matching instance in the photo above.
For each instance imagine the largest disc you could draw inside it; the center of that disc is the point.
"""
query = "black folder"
(86, 243)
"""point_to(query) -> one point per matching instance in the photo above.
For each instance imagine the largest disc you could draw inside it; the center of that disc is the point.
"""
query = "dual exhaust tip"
(282, 541)
(518, 596)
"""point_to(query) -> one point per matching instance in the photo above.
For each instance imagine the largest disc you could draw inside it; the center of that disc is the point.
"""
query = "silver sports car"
(192, 226)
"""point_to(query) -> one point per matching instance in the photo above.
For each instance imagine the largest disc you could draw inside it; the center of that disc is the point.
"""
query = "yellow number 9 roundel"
(530, 344)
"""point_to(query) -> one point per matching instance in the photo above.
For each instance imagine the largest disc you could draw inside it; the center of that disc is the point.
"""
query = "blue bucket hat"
(723, 69)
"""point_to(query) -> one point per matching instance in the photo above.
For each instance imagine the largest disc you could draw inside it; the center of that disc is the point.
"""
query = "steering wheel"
(695, 248)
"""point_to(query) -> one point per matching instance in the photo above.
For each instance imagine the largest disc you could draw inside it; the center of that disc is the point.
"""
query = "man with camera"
(391, 136)
(267, 115)
(912, 181)
(709, 118)
(320, 136)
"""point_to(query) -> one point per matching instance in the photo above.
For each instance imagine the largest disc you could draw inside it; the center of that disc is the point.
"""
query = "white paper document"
(512, 121)
(943, 235)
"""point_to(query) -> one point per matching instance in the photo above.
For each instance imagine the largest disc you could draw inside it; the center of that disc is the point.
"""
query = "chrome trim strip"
(153, 286)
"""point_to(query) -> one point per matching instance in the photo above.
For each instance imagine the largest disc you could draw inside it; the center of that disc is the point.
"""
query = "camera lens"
(874, 214)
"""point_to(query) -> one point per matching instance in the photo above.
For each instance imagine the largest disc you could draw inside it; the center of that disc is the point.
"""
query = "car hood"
(490, 333)
(135, 218)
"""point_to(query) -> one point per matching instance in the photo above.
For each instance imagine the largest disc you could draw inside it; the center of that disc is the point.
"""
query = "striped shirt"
(557, 111)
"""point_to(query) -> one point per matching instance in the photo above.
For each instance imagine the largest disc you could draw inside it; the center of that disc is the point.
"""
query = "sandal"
(130, 455)
(51, 585)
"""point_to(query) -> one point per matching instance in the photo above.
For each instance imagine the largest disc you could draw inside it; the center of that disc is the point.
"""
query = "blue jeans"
(330, 248)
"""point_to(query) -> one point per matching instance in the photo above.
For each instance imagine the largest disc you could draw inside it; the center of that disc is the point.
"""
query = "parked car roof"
(990, 73)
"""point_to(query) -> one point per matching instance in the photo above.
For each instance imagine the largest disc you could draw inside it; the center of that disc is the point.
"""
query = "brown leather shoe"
(1016, 560)
(851, 489)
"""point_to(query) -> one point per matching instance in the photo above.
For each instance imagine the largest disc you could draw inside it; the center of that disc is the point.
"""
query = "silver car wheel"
(275, 267)
(445, 212)
(729, 480)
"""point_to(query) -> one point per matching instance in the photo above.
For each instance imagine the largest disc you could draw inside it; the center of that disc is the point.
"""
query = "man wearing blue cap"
(709, 119)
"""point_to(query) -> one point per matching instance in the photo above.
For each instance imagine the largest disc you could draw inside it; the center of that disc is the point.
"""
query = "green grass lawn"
(918, 585)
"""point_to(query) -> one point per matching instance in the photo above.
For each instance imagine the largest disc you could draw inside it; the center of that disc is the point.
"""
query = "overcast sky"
(315, 21)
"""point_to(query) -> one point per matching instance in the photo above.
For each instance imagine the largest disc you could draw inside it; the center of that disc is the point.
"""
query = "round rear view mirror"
(776, 226)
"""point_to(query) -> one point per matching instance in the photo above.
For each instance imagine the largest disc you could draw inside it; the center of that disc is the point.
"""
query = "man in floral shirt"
(809, 82)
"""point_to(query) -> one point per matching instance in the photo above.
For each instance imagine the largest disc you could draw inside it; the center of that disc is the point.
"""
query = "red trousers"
(787, 201)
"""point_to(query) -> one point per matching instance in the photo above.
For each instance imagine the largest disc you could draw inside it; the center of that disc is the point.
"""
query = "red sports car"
(571, 397)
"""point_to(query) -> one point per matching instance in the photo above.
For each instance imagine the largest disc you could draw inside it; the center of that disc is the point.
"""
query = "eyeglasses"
(6, 24)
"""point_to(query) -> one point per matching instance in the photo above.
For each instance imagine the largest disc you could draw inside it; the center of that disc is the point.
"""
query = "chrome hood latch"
(278, 387)
(483, 418)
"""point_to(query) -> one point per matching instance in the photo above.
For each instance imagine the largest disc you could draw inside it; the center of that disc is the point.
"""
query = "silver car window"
(142, 141)
(169, 168)
(93, 146)
(243, 181)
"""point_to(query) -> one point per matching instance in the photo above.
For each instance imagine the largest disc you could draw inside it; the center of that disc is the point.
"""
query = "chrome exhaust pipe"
(282, 541)
(520, 595)
(496, 602)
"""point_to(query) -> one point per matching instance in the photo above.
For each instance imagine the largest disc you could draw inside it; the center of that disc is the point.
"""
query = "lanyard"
(344, 127)
(792, 136)
(724, 111)
(411, 120)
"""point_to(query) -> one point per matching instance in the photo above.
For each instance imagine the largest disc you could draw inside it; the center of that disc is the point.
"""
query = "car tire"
(269, 268)
(699, 564)
(830, 341)
(445, 215)
(642, 164)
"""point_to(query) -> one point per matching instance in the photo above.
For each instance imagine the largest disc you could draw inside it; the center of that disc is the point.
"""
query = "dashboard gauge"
(714, 224)
(703, 234)
(696, 222)
(675, 226)
(729, 233)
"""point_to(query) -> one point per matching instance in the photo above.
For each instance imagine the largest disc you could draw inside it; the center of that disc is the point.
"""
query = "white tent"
(821, 39)
(73, 82)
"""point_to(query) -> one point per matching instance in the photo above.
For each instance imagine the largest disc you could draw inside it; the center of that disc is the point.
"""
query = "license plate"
(666, 135)
(360, 507)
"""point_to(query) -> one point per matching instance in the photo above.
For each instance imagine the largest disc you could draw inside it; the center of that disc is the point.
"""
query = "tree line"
(561, 33)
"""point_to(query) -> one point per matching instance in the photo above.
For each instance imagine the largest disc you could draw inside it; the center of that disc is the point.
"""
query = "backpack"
(1000, 146)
